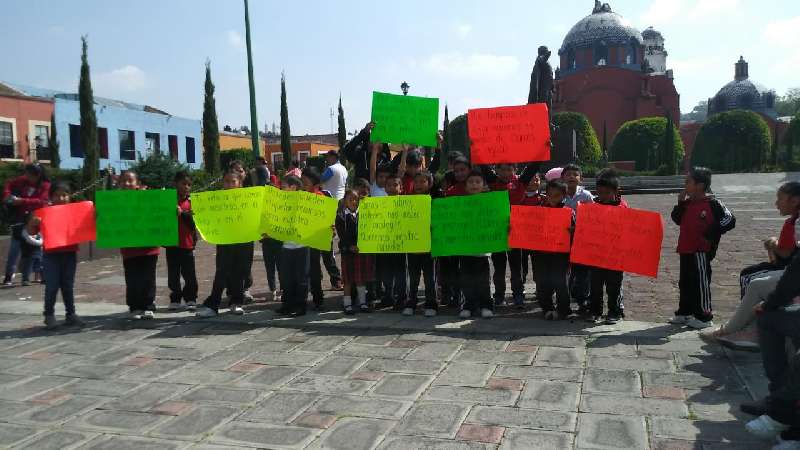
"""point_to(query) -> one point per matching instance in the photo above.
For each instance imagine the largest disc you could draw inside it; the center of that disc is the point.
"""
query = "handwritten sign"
(509, 134)
(137, 218)
(229, 216)
(540, 228)
(617, 238)
(404, 119)
(300, 217)
(470, 224)
(70, 224)
(396, 224)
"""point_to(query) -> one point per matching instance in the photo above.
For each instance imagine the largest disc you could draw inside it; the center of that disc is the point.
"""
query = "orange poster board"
(69, 224)
(509, 134)
(617, 238)
(540, 228)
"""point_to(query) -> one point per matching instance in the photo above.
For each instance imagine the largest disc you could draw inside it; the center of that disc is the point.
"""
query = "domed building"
(741, 93)
(613, 73)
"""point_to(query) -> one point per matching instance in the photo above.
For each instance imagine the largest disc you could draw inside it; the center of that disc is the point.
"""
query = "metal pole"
(253, 115)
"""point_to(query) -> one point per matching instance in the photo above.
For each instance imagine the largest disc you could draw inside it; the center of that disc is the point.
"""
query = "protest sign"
(69, 224)
(404, 119)
(229, 216)
(470, 224)
(540, 228)
(509, 134)
(128, 218)
(617, 238)
(395, 224)
(299, 216)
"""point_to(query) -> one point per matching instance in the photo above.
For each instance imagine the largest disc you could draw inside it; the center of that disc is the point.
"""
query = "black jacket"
(347, 230)
(357, 152)
(788, 286)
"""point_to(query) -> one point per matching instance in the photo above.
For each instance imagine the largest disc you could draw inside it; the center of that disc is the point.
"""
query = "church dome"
(602, 26)
(650, 33)
(742, 93)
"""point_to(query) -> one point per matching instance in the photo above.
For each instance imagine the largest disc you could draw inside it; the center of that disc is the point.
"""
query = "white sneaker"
(136, 314)
(248, 297)
(786, 445)
(408, 312)
(679, 320)
(205, 311)
(698, 324)
(465, 314)
(174, 306)
(766, 427)
(237, 310)
(430, 312)
(487, 313)
(148, 315)
(191, 306)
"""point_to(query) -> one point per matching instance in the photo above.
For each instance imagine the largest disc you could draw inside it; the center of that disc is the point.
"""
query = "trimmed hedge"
(587, 146)
(642, 140)
(733, 141)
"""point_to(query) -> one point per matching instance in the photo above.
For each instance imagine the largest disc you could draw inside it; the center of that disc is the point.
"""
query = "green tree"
(733, 141)
(697, 114)
(445, 134)
(158, 170)
(286, 133)
(210, 127)
(53, 145)
(91, 160)
(789, 104)
(342, 131)
(667, 150)
(644, 141)
(458, 136)
(792, 140)
(586, 144)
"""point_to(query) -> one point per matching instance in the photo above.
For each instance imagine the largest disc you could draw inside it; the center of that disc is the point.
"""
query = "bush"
(733, 141)
(245, 155)
(792, 140)
(587, 147)
(642, 140)
(458, 137)
(157, 170)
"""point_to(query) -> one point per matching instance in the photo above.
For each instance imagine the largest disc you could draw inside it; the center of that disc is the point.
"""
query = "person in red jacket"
(180, 259)
(21, 195)
(703, 220)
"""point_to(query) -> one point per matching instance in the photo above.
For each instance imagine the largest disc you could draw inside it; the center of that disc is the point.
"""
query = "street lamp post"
(404, 87)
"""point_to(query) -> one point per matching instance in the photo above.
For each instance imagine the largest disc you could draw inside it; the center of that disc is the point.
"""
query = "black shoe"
(284, 310)
(385, 303)
(299, 312)
(756, 408)
(364, 309)
(349, 310)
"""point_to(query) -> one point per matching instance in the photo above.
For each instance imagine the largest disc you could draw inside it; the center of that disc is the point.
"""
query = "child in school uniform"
(475, 268)
(449, 267)
(358, 269)
(30, 245)
(421, 263)
(232, 267)
(607, 194)
(140, 266)
(527, 194)
(311, 183)
(59, 265)
(551, 270)
(293, 269)
(703, 220)
(180, 259)
(393, 265)
(579, 275)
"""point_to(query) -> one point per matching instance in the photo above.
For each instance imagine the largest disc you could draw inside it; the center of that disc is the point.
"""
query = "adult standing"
(21, 195)
(334, 179)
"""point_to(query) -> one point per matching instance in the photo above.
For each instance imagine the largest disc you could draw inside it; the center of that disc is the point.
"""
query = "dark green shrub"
(642, 140)
(733, 141)
(586, 145)
(245, 155)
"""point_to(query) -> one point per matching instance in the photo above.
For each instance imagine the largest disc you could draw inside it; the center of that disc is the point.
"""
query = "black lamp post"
(404, 87)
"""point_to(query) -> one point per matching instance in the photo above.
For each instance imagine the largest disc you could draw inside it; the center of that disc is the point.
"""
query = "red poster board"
(509, 134)
(617, 238)
(540, 228)
(69, 224)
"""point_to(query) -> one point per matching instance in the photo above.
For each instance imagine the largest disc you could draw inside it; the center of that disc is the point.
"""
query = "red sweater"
(788, 238)
(32, 196)
(457, 188)
(186, 237)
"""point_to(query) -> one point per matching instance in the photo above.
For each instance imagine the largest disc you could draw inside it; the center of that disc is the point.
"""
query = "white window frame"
(14, 135)
(32, 124)
(301, 153)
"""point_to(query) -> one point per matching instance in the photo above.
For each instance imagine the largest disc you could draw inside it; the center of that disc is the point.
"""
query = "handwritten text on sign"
(230, 216)
(70, 224)
(509, 134)
(396, 224)
(137, 218)
(404, 119)
(617, 238)
(470, 224)
(299, 217)
(540, 228)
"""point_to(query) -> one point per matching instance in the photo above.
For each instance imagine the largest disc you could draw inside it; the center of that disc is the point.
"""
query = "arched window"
(571, 59)
(632, 52)
(600, 53)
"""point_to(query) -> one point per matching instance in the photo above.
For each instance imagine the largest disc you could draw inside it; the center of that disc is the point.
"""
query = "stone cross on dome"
(601, 7)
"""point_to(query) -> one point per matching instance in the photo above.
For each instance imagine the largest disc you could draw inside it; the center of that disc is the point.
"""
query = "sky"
(468, 53)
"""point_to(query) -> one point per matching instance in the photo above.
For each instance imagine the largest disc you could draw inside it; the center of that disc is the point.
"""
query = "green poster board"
(404, 119)
(395, 224)
(229, 216)
(137, 218)
(470, 224)
(300, 217)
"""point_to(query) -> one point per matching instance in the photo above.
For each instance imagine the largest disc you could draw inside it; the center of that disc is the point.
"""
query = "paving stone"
(11, 409)
(92, 371)
(329, 385)
(688, 380)
(505, 383)
(270, 377)
(524, 348)
(223, 360)
(434, 351)
(7, 380)
(596, 431)
(718, 406)
(552, 341)
(433, 419)
(197, 375)
(286, 359)
(338, 366)
(523, 418)
(280, 407)
(404, 366)
(367, 375)
(57, 440)
(619, 382)
(550, 395)
(518, 439)
(28, 347)
(559, 357)
(498, 344)
(509, 358)
(352, 405)
(155, 370)
(196, 423)
(125, 421)
(424, 336)
(640, 364)
(376, 338)
(38, 367)
(146, 397)
(171, 408)
(573, 375)
(133, 443)
(115, 355)
(83, 348)
(401, 385)
(273, 333)
(674, 444)
(479, 433)
(33, 387)
(612, 347)
(671, 392)
(10, 434)
(481, 396)
(264, 435)
(323, 344)
(220, 394)
(180, 353)
(311, 420)
(615, 404)
(138, 361)
(50, 397)
(105, 388)
(671, 428)
(60, 412)
(353, 434)
(374, 351)
(419, 442)
(244, 367)
(465, 374)
(402, 343)
(268, 346)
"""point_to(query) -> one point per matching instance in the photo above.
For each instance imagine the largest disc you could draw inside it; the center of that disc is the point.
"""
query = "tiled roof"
(600, 26)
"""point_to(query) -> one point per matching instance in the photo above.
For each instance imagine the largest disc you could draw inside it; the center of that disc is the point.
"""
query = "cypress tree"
(286, 134)
(667, 150)
(210, 127)
(91, 161)
(445, 134)
(55, 157)
(342, 128)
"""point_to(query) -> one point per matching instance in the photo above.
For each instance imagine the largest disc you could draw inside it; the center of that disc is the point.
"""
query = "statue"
(541, 90)
(601, 7)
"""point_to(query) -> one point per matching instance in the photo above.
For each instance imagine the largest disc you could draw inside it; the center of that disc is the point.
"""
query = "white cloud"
(462, 30)
(476, 65)
(784, 33)
(125, 79)
(706, 9)
(661, 12)
(236, 40)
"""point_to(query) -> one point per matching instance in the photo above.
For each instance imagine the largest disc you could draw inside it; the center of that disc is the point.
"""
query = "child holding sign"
(449, 265)
(551, 270)
(311, 183)
(475, 268)
(393, 265)
(421, 263)
(293, 268)
(180, 259)
(579, 275)
(357, 269)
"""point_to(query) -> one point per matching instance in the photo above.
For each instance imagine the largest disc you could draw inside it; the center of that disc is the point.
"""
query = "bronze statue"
(541, 90)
